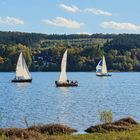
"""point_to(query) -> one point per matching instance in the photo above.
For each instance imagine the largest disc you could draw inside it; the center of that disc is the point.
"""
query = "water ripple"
(78, 107)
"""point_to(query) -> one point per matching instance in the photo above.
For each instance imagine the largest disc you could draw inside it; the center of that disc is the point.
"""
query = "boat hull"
(21, 80)
(58, 84)
(103, 75)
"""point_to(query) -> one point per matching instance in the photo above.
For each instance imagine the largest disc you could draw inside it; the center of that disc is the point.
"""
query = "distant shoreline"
(75, 71)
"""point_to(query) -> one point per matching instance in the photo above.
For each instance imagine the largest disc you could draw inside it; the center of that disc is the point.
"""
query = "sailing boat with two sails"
(22, 72)
(101, 68)
(63, 81)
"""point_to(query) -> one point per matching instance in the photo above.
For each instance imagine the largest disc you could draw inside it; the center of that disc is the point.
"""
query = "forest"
(44, 52)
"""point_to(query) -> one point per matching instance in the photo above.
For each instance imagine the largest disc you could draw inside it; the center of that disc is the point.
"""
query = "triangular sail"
(101, 67)
(63, 75)
(104, 68)
(22, 71)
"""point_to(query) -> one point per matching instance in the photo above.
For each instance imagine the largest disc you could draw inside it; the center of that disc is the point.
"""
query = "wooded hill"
(44, 52)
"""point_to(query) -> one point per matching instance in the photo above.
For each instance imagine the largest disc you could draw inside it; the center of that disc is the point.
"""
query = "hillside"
(44, 52)
(35, 39)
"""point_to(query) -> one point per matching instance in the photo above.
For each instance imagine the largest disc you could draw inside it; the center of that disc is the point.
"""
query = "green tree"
(106, 117)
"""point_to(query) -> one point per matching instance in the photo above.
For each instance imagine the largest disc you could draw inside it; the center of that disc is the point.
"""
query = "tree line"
(44, 52)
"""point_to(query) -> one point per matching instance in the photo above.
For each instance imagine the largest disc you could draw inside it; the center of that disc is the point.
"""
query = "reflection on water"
(78, 107)
(22, 85)
(64, 90)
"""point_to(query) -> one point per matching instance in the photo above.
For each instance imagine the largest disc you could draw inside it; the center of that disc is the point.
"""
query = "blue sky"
(70, 16)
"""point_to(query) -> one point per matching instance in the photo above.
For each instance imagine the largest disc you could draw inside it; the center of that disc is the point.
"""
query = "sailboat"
(63, 81)
(22, 72)
(101, 69)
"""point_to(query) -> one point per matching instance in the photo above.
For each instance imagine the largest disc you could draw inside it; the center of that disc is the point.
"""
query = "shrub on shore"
(52, 129)
(36, 131)
(120, 125)
(106, 116)
(18, 133)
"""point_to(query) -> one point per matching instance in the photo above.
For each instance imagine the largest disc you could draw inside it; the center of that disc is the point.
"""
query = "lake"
(40, 102)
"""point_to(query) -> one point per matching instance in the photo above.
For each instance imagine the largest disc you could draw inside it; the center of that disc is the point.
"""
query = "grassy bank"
(126, 135)
(123, 129)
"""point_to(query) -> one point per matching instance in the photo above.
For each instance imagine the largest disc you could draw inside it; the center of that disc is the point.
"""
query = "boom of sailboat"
(23, 74)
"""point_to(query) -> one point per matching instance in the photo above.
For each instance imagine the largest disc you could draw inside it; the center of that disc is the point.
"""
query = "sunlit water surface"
(40, 102)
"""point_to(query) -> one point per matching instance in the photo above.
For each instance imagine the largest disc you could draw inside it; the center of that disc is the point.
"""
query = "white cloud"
(75, 9)
(63, 22)
(98, 11)
(87, 33)
(120, 26)
(10, 21)
(71, 8)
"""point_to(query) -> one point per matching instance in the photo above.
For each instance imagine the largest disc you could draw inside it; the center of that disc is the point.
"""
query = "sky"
(70, 16)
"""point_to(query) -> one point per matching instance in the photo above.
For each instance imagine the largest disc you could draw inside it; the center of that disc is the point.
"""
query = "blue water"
(40, 102)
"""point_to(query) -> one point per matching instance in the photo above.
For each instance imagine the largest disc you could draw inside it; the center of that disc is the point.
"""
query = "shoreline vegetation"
(44, 52)
(123, 129)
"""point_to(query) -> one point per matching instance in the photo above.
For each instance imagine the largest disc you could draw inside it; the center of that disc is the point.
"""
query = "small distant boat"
(63, 82)
(22, 72)
(101, 69)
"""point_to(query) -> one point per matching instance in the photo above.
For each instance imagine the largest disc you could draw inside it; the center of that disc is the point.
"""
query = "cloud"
(97, 11)
(75, 9)
(71, 8)
(63, 22)
(10, 21)
(120, 26)
(84, 33)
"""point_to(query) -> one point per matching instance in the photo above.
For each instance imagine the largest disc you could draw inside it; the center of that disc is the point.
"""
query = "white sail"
(63, 75)
(104, 68)
(22, 71)
(101, 67)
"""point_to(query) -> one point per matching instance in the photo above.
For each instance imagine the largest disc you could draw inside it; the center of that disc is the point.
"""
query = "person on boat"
(67, 81)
